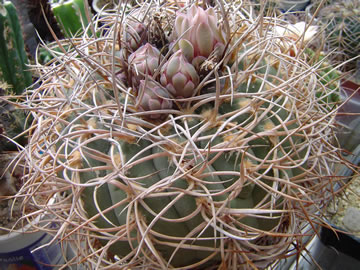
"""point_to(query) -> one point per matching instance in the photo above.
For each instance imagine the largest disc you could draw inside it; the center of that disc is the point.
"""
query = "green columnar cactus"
(13, 59)
(70, 15)
(15, 77)
(226, 175)
(341, 21)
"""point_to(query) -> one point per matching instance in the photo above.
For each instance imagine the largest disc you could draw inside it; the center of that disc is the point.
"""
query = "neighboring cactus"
(42, 18)
(341, 21)
(70, 15)
(13, 58)
(226, 176)
(15, 77)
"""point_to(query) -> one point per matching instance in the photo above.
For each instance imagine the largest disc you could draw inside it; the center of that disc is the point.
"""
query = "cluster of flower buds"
(196, 36)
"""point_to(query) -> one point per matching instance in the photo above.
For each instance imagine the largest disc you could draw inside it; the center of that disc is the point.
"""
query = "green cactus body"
(13, 58)
(231, 180)
(71, 16)
(221, 177)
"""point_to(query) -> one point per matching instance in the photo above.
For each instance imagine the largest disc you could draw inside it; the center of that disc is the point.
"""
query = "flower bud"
(152, 96)
(179, 76)
(144, 61)
(204, 35)
(135, 34)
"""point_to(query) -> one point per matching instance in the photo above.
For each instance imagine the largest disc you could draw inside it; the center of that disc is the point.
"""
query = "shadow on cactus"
(215, 154)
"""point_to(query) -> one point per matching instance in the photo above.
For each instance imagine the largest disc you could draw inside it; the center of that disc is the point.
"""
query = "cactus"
(70, 15)
(15, 77)
(328, 76)
(226, 177)
(341, 21)
(13, 58)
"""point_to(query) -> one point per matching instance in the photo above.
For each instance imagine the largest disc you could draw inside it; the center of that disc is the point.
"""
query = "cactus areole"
(164, 162)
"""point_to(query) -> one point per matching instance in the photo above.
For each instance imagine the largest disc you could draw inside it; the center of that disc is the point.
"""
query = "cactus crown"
(206, 148)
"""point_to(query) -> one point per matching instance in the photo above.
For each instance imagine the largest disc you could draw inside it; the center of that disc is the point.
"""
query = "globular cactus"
(224, 177)
(144, 61)
(341, 21)
(13, 59)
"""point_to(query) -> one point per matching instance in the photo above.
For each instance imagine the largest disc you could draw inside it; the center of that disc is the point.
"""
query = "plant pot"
(343, 214)
(19, 245)
(335, 247)
(348, 116)
(293, 5)
(345, 244)
(324, 253)
(17, 250)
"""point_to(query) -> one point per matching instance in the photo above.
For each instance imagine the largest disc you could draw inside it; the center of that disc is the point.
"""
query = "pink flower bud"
(179, 76)
(201, 32)
(144, 61)
(135, 34)
(152, 96)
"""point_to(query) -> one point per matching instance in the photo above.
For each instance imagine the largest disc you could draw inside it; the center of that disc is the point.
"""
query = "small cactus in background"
(15, 77)
(13, 59)
(70, 15)
(180, 169)
(12, 125)
(41, 16)
(341, 21)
